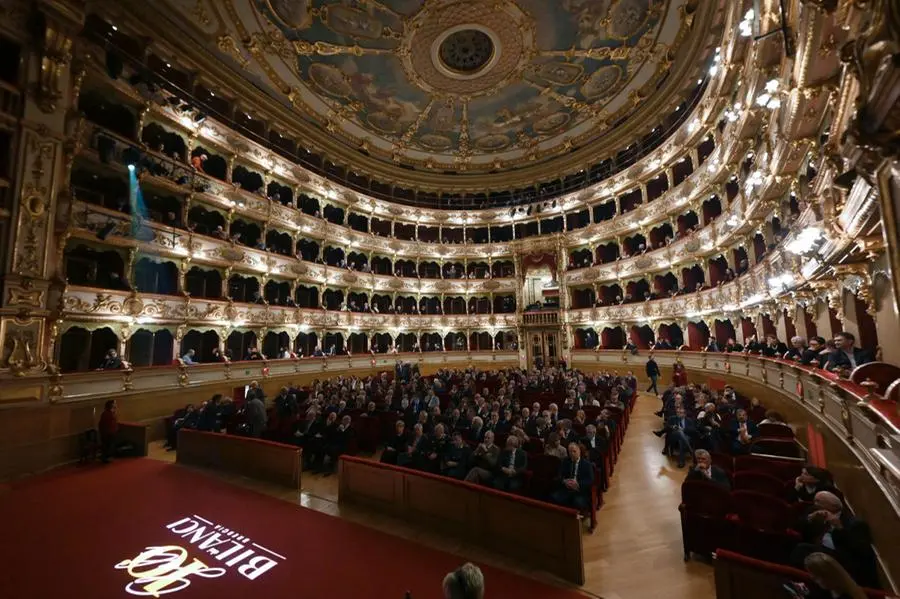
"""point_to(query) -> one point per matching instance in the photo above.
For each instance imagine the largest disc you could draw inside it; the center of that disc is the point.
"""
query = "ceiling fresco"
(451, 85)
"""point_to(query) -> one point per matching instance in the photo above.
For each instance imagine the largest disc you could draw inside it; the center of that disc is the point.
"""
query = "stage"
(147, 528)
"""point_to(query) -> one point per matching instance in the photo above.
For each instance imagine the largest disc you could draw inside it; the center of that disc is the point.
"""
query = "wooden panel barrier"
(254, 458)
(540, 535)
(742, 577)
(137, 435)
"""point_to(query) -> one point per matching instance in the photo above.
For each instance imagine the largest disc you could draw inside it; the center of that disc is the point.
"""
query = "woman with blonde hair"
(831, 578)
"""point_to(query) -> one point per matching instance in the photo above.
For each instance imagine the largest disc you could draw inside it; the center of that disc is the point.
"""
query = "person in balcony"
(732, 346)
(198, 161)
(813, 355)
(188, 358)
(846, 356)
(773, 347)
(663, 343)
(798, 347)
(713, 345)
(111, 361)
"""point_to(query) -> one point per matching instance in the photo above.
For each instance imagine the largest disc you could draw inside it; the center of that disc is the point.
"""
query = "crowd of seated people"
(718, 429)
(549, 433)
(836, 355)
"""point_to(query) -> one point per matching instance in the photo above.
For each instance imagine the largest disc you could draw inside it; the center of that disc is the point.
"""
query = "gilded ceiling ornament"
(228, 45)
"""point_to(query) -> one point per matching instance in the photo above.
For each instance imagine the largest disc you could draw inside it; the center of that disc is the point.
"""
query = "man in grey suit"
(256, 415)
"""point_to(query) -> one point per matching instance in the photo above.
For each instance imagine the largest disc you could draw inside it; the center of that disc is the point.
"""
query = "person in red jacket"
(109, 426)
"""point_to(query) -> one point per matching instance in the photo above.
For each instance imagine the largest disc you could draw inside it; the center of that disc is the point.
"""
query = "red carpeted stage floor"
(147, 528)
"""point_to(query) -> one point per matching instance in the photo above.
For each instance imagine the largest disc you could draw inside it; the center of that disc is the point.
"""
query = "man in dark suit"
(848, 536)
(595, 444)
(336, 443)
(209, 415)
(845, 355)
(457, 458)
(511, 467)
(652, 369)
(773, 347)
(744, 431)
(733, 346)
(576, 475)
(811, 356)
(679, 430)
(810, 482)
(704, 470)
(438, 444)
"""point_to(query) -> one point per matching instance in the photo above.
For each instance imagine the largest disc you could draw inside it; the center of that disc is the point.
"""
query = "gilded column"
(39, 172)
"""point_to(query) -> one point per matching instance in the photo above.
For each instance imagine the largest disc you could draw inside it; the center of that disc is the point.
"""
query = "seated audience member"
(798, 347)
(679, 430)
(773, 348)
(846, 356)
(849, 537)
(743, 431)
(576, 477)
(476, 431)
(111, 361)
(457, 457)
(773, 417)
(595, 444)
(336, 445)
(713, 345)
(709, 427)
(108, 428)
(831, 580)
(210, 415)
(396, 445)
(733, 346)
(437, 447)
(414, 456)
(705, 470)
(812, 355)
(511, 467)
(553, 447)
(484, 461)
(217, 355)
(315, 439)
(810, 482)
(466, 582)
(188, 358)
(189, 418)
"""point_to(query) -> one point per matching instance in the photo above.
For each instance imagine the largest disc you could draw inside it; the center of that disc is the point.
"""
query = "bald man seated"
(828, 523)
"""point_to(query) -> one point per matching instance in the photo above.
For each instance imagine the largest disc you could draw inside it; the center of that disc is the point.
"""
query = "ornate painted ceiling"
(456, 85)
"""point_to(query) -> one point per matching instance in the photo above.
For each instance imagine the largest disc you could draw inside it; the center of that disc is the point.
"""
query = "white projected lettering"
(161, 570)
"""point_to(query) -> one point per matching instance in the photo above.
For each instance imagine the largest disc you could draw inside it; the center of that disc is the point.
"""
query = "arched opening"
(358, 302)
(334, 257)
(357, 343)
(240, 343)
(309, 205)
(478, 270)
(80, 349)
(381, 343)
(334, 344)
(430, 305)
(580, 258)
(358, 261)
(698, 335)
(611, 294)
(635, 244)
(278, 293)
(687, 222)
(94, 268)
(718, 271)
(454, 305)
(607, 253)
(455, 342)
(214, 165)
(638, 291)
(666, 284)
(453, 270)
(279, 243)
(166, 142)
(481, 341)
(405, 268)
(208, 222)
(429, 270)
(692, 278)
(282, 194)
(612, 338)
(583, 298)
(332, 299)
(406, 305)
(503, 269)
(432, 342)
(586, 338)
(203, 343)
(672, 334)
(307, 297)
(382, 304)
(504, 304)
(203, 283)
(155, 277)
(724, 331)
(115, 117)
(244, 289)
(741, 261)
(506, 341)
(305, 344)
(661, 236)
(382, 265)
(642, 336)
(406, 342)
(479, 305)
(308, 250)
(149, 348)
(247, 233)
(275, 345)
(248, 180)
(712, 208)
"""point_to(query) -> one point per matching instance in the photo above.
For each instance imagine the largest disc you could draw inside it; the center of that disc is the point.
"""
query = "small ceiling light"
(169, 65)
(212, 93)
(114, 28)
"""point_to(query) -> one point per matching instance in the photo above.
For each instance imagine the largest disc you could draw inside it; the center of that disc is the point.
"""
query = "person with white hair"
(798, 346)
(466, 582)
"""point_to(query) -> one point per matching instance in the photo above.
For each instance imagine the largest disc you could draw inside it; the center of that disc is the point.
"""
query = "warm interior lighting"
(805, 241)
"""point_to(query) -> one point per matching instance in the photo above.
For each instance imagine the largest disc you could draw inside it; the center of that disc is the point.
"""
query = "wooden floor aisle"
(635, 551)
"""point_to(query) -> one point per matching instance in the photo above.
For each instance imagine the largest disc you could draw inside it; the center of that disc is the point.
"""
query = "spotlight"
(131, 167)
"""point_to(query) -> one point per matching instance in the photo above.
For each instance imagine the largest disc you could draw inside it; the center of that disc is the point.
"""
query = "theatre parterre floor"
(635, 552)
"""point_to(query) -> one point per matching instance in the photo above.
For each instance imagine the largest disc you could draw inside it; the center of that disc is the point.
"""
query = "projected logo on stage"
(164, 569)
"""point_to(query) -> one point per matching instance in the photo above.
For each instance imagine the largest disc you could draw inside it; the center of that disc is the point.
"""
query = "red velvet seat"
(723, 461)
(705, 525)
(763, 526)
(544, 472)
(787, 448)
(776, 431)
(783, 468)
(759, 482)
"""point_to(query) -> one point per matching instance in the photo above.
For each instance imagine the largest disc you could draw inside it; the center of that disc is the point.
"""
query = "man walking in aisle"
(653, 374)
